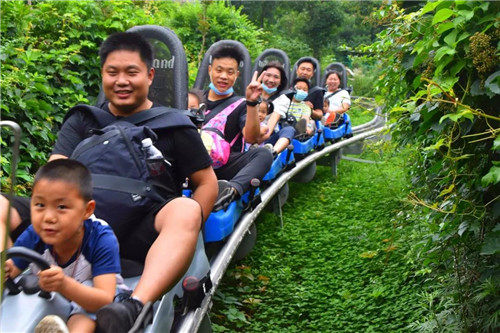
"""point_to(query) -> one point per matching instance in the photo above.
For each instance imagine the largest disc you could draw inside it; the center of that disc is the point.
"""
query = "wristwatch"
(253, 103)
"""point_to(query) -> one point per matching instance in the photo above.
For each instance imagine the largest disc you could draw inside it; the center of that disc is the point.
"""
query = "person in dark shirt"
(165, 239)
(241, 124)
(306, 68)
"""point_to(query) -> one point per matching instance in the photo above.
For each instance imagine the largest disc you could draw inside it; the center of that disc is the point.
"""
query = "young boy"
(299, 109)
(78, 246)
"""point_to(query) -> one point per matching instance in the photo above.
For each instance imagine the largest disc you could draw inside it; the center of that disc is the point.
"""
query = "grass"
(361, 111)
(337, 265)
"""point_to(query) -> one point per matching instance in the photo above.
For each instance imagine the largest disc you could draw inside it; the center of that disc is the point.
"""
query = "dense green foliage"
(49, 59)
(50, 63)
(339, 263)
(440, 80)
(319, 28)
(49, 56)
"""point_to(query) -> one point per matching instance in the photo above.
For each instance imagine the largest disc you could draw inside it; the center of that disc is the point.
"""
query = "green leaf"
(462, 36)
(429, 7)
(496, 144)
(421, 57)
(477, 89)
(484, 5)
(465, 113)
(444, 27)
(441, 15)
(44, 88)
(443, 51)
(458, 21)
(468, 14)
(491, 244)
(492, 82)
(462, 228)
(451, 38)
(435, 146)
(492, 177)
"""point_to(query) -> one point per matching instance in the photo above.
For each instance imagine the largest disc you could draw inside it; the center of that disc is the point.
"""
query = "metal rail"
(219, 264)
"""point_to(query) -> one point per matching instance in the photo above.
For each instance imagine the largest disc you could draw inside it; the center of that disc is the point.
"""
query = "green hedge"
(440, 81)
(50, 61)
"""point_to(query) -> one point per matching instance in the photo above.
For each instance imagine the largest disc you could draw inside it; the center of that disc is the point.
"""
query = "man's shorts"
(136, 244)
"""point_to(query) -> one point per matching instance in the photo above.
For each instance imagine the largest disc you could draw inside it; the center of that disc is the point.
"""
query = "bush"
(50, 60)
(441, 83)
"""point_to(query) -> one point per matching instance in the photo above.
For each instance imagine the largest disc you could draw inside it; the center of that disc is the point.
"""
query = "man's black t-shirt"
(315, 96)
(182, 146)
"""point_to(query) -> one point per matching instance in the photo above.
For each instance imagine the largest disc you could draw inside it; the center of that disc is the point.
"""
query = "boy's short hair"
(128, 41)
(301, 79)
(309, 60)
(226, 51)
(69, 171)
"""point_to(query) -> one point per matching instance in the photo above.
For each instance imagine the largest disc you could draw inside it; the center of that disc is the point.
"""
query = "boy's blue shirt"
(99, 252)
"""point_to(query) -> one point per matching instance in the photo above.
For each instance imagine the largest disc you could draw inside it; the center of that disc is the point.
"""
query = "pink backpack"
(212, 134)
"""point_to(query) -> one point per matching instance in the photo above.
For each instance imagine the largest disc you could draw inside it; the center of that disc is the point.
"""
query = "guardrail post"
(335, 157)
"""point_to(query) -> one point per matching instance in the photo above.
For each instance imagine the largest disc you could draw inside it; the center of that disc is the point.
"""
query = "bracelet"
(253, 103)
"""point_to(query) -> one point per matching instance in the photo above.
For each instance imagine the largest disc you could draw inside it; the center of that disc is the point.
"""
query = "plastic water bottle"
(154, 158)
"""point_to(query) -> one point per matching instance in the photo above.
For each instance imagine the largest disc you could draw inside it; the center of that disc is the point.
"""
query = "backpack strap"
(126, 185)
(156, 118)
(103, 118)
(333, 93)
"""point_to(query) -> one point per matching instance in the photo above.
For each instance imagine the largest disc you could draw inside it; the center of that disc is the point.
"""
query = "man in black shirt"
(242, 124)
(306, 68)
(166, 238)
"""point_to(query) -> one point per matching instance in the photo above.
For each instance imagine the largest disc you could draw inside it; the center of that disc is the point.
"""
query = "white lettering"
(164, 63)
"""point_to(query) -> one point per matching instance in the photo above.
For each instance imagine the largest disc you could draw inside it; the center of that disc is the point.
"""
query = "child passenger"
(262, 111)
(299, 109)
(78, 246)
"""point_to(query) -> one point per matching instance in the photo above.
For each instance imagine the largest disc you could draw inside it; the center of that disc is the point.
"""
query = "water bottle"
(154, 158)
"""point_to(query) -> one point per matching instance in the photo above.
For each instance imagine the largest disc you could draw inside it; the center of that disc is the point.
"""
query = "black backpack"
(123, 188)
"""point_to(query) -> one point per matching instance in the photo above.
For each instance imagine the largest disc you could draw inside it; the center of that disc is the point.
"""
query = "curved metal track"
(221, 261)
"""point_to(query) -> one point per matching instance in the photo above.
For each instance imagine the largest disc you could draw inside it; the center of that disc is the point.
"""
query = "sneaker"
(122, 315)
(301, 126)
(269, 147)
(226, 195)
(51, 324)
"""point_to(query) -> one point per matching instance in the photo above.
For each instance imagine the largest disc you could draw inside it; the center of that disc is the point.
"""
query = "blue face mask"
(269, 90)
(220, 93)
(300, 95)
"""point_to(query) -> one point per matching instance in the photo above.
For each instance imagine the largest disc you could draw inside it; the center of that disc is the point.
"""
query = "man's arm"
(317, 114)
(205, 190)
(315, 102)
